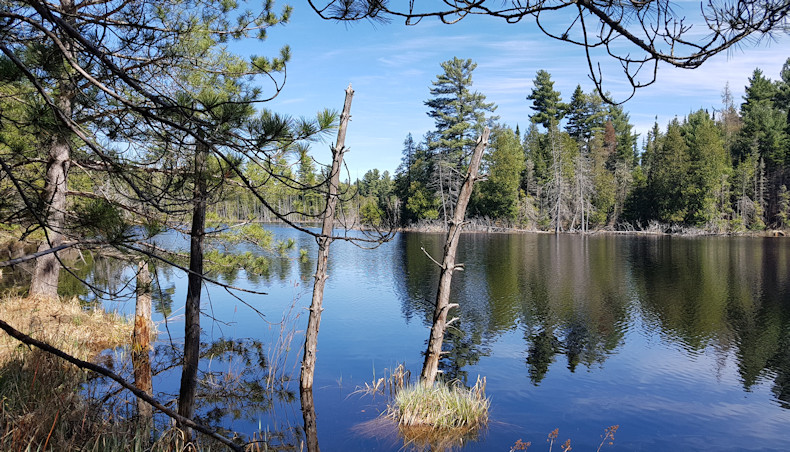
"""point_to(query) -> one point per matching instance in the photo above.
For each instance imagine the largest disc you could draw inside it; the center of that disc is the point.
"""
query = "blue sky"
(391, 66)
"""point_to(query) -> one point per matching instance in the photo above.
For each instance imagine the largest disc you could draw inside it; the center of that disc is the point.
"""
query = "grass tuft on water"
(441, 407)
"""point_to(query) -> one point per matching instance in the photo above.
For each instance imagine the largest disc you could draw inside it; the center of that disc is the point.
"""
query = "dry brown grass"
(42, 405)
(64, 324)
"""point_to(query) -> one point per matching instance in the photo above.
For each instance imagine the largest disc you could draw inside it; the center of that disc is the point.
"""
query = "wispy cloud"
(392, 67)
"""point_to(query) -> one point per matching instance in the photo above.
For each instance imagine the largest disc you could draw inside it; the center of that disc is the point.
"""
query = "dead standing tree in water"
(324, 240)
(316, 306)
(434, 352)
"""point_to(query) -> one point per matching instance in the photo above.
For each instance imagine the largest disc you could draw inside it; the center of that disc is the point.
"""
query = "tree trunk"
(314, 321)
(47, 271)
(186, 395)
(141, 343)
(432, 355)
(44, 282)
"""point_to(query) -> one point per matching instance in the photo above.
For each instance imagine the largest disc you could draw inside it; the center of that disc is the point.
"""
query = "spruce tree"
(709, 168)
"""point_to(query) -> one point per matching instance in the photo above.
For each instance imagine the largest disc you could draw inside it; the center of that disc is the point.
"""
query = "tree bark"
(434, 352)
(316, 306)
(141, 343)
(186, 395)
(47, 271)
(44, 282)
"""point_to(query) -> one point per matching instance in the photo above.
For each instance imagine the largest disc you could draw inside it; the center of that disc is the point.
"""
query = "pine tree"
(585, 115)
(459, 115)
(668, 174)
(547, 103)
(763, 139)
(626, 140)
(577, 115)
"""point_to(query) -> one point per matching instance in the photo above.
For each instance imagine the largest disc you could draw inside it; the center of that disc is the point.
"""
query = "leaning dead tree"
(139, 393)
(448, 266)
(636, 34)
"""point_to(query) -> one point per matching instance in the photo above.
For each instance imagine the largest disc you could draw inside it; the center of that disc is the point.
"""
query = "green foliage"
(585, 115)
(547, 103)
(421, 203)
(625, 150)
(376, 191)
(669, 176)
(98, 218)
(227, 264)
(370, 213)
(251, 234)
(498, 195)
(708, 170)
(459, 113)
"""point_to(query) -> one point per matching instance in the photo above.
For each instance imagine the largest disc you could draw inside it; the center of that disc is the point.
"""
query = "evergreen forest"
(579, 165)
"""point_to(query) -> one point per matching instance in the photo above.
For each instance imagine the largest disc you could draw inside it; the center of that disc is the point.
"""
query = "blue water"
(682, 342)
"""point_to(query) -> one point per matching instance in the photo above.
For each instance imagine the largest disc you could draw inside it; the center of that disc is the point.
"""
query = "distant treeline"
(579, 166)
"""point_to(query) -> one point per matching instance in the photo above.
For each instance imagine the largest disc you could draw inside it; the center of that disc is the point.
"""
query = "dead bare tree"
(324, 240)
(637, 35)
(433, 354)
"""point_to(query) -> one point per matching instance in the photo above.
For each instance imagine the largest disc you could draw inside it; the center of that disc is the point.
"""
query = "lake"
(682, 342)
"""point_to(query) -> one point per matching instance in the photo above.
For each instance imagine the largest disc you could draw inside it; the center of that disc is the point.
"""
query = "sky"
(391, 67)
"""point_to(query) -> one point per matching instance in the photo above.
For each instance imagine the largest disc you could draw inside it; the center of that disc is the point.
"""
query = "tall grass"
(64, 324)
(441, 406)
(42, 406)
(441, 417)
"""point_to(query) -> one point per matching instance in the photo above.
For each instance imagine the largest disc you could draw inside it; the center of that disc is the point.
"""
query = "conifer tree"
(546, 103)
(498, 195)
(459, 115)
(668, 174)
(763, 141)
(707, 182)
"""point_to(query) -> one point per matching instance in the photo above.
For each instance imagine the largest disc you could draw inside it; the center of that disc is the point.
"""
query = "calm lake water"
(682, 342)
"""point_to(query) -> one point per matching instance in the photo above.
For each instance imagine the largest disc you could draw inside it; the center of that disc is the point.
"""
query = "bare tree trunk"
(47, 271)
(316, 306)
(432, 355)
(186, 395)
(141, 343)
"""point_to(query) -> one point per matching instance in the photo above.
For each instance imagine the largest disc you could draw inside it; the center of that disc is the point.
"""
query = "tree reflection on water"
(576, 296)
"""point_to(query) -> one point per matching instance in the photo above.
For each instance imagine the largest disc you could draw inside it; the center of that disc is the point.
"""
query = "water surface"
(683, 342)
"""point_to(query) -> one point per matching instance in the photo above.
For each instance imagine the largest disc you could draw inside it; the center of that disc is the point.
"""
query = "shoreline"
(683, 232)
